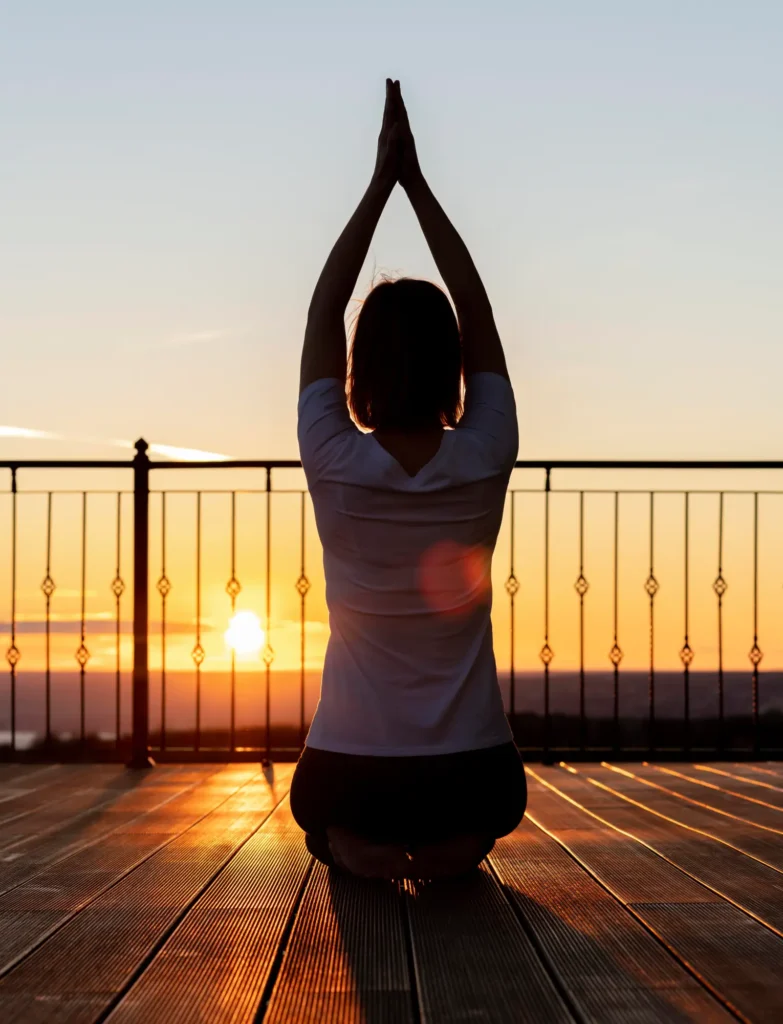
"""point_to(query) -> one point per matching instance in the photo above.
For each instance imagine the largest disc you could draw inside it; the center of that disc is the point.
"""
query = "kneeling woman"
(409, 769)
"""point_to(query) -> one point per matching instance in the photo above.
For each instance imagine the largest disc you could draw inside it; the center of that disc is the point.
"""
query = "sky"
(174, 175)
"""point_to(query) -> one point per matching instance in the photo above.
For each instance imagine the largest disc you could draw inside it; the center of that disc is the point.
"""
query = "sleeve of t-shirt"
(324, 428)
(490, 416)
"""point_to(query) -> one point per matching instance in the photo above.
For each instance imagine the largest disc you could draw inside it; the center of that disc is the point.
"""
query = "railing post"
(140, 756)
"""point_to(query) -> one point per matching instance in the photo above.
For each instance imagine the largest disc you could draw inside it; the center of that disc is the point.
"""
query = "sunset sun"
(244, 634)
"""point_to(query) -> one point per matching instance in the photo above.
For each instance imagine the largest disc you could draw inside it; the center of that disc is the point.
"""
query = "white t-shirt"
(409, 666)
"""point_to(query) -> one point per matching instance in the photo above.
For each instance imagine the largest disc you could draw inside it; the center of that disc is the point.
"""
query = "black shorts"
(410, 800)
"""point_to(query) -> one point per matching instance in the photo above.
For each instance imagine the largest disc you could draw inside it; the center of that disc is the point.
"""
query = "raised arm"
(324, 350)
(481, 346)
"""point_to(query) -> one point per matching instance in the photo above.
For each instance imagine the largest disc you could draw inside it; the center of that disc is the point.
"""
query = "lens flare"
(455, 578)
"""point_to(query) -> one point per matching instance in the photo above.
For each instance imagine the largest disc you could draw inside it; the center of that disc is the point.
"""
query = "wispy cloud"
(168, 451)
(40, 435)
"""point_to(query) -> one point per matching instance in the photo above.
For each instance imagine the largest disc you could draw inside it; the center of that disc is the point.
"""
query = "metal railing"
(541, 732)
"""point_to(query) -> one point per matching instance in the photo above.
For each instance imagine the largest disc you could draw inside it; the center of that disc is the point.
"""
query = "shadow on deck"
(630, 892)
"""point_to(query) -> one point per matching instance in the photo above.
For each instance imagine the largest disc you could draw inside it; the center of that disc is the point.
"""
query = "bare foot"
(362, 857)
(449, 858)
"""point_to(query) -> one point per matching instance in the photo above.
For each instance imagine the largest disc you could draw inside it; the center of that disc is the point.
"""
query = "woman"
(409, 769)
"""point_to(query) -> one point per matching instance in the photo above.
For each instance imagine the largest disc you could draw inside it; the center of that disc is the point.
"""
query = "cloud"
(187, 454)
(40, 435)
(168, 451)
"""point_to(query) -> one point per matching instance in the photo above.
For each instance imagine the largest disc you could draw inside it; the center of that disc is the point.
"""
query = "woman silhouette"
(409, 768)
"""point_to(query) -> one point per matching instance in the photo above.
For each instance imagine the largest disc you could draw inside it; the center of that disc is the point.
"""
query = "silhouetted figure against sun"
(409, 769)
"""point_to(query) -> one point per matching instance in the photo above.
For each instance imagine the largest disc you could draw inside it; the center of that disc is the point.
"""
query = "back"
(409, 667)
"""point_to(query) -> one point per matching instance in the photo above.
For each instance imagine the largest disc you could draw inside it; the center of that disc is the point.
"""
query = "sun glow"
(244, 634)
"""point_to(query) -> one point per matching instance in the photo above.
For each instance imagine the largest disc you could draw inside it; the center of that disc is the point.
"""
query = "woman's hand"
(387, 164)
(409, 170)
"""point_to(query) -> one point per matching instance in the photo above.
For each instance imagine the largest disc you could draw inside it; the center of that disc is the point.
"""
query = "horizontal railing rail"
(542, 731)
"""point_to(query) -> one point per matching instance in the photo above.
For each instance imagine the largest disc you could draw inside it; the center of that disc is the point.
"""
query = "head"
(405, 366)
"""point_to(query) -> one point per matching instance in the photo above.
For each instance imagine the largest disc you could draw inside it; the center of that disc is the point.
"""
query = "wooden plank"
(753, 886)
(84, 966)
(11, 773)
(45, 790)
(217, 964)
(27, 854)
(746, 774)
(347, 961)
(736, 959)
(473, 959)
(742, 835)
(754, 807)
(744, 962)
(774, 768)
(32, 911)
(67, 807)
(612, 967)
(630, 870)
(717, 780)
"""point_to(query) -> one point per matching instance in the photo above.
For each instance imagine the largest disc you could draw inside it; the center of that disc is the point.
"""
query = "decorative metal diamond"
(13, 654)
(686, 654)
(118, 586)
(163, 586)
(48, 586)
(82, 655)
(581, 586)
(302, 585)
(268, 655)
(755, 654)
(198, 654)
(720, 586)
(512, 585)
(615, 654)
(651, 585)
(546, 654)
(233, 588)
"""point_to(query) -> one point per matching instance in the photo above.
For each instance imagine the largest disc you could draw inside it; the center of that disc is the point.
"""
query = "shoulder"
(489, 423)
(326, 433)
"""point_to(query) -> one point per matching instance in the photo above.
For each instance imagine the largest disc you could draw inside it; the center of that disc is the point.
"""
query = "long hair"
(405, 363)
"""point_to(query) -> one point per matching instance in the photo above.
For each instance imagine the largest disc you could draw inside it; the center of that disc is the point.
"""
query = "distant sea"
(250, 703)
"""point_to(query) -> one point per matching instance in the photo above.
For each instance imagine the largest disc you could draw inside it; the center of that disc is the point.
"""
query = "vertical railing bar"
(651, 586)
(546, 648)
(233, 585)
(82, 658)
(687, 653)
(616, 647)
(198, 650)
(582, 590)
(118, 590)
(718, 586)
(303, 588)
(163, 590)
(512, 586)
(268, 654)
(48, 590)
(140, 757)
(755, 653)
(12, 655)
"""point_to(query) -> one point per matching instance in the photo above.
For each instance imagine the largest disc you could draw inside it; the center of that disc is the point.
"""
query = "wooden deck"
(629, 894)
